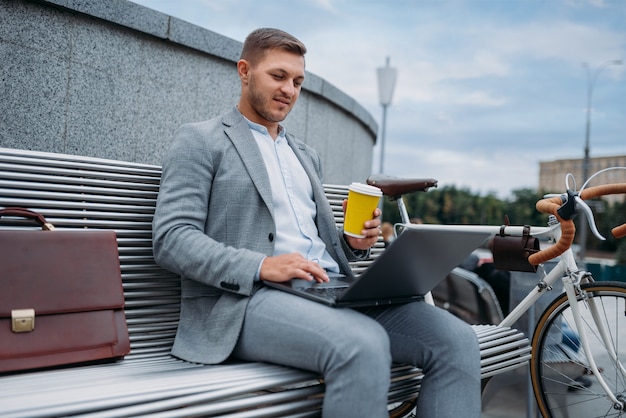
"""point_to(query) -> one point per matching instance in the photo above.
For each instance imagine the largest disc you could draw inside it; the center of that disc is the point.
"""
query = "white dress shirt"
(292, 195)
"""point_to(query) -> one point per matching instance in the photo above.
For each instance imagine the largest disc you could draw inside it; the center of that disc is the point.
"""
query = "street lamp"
(591, 79)
(386, 83)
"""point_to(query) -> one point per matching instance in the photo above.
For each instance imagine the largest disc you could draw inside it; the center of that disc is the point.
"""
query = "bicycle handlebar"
(568, 230)
(591, 192)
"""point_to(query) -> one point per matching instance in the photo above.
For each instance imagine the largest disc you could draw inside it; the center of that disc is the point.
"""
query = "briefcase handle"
(29, 214)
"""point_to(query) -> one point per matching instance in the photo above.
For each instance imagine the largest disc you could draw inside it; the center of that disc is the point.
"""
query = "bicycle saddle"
(394, 186)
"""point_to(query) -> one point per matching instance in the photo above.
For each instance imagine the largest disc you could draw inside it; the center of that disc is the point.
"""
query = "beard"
(262, 105)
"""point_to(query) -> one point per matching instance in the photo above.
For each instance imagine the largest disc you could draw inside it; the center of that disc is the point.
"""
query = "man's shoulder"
(218, 122)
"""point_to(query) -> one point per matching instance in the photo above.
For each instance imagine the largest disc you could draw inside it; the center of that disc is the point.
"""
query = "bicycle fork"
(571, 283)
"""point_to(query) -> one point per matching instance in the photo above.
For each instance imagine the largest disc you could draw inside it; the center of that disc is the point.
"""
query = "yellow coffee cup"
(362, 201)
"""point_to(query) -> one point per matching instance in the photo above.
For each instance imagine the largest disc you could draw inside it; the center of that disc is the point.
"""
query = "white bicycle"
(579, 343)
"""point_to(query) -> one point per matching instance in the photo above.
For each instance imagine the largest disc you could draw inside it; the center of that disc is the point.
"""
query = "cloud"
(480, 170)
(491, 51)
(480, 98)
(582, 3)
(326, 5)
(558, 40)
(485, 90)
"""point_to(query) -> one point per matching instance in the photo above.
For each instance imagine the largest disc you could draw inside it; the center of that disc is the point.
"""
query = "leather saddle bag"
(61, 296)
(511, 252)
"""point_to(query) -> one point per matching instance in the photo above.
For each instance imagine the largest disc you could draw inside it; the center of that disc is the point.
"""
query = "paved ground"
(506, 396)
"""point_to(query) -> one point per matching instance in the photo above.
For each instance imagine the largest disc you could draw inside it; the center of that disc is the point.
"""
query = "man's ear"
(243, 69)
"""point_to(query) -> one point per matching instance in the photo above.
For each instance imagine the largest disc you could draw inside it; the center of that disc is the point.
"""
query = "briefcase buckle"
(22, 320)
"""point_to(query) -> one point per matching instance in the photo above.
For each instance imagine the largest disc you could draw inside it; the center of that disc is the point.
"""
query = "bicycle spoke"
(560, 372)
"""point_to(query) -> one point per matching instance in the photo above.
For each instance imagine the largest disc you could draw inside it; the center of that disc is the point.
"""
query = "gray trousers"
(354, 350)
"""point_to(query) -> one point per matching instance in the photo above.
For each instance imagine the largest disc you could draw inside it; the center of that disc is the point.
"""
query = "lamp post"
(386, 83)
(591, 79)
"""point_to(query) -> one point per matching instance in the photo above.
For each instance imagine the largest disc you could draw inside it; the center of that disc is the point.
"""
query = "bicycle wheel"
(562, 383)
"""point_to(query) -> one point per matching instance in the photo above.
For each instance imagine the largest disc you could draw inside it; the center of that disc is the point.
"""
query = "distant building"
(552, 173)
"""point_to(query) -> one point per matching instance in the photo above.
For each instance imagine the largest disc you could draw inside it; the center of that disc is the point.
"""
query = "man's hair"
(260, 41)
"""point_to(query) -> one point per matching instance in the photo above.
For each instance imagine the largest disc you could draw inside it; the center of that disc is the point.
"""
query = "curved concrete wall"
(113, 79)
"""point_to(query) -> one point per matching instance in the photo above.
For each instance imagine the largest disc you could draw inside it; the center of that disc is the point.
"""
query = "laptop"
(415, 262)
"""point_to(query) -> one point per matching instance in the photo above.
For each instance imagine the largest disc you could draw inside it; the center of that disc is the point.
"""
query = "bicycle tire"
(561, 383)
(403, 409)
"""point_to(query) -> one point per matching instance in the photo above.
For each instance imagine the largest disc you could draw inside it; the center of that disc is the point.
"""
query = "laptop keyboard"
(326, 291)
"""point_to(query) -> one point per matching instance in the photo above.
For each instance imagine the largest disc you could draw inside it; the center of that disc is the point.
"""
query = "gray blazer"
(214, 223)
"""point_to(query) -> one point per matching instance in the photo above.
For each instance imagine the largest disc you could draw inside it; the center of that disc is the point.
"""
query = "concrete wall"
(113, 79)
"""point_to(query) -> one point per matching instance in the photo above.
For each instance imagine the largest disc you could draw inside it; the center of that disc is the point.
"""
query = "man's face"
(271, 87)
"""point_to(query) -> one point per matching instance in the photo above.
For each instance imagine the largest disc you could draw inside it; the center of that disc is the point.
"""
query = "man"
(241, 202)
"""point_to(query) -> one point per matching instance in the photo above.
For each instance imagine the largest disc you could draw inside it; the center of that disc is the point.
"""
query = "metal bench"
(75, 192)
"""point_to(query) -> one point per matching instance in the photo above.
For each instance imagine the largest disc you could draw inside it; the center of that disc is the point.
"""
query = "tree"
(450, 205)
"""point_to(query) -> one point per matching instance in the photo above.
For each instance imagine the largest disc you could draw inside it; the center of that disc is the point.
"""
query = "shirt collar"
(263, 130)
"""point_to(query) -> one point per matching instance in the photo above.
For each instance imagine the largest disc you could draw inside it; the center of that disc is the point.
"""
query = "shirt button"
(271, 237)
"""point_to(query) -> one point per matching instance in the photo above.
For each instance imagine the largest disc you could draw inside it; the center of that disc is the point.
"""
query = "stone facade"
(113, 79)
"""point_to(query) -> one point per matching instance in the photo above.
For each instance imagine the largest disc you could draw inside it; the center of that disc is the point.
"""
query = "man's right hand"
(281, 268)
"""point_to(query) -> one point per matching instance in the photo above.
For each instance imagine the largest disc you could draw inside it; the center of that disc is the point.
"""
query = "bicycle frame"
(565, 269)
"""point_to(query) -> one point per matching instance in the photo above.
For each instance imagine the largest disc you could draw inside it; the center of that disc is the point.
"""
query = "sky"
(485, 89)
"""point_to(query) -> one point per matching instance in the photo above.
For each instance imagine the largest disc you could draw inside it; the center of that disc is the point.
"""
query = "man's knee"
(451, 330)
(467, 337)
(461, 350)
(364, 345)
(452, 344)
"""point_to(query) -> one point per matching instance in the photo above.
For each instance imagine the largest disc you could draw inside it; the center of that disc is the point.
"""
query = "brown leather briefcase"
(61, 296)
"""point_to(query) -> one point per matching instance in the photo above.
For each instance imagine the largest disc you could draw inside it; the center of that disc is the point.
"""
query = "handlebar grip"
(568, 231)
(603, 190)
(619, 231)
(550, 205)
